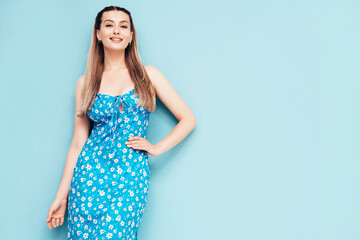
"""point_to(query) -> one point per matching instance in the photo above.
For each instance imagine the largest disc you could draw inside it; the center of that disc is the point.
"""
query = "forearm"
(70, 164)
(179, 132)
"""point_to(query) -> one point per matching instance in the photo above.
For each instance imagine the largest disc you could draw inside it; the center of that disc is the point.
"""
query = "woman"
(106, 177)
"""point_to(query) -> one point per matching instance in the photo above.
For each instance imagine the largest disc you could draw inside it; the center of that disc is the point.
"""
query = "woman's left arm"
(177, 106)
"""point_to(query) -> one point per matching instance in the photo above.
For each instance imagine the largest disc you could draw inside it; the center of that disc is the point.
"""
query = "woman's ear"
(97, 35)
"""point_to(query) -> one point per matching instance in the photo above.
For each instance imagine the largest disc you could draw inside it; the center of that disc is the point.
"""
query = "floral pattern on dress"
(110, 183)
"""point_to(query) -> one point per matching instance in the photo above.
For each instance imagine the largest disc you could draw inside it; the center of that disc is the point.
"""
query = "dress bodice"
(116, 118)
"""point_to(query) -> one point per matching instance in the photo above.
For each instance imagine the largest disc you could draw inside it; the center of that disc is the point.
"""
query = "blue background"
(274, 86)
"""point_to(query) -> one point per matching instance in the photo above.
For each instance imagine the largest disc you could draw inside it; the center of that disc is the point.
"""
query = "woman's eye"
(111, 26)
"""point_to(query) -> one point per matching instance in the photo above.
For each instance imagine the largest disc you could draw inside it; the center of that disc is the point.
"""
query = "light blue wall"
(275, 89)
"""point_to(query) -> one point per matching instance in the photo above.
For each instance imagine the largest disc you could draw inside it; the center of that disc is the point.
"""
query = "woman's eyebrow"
(113, 21)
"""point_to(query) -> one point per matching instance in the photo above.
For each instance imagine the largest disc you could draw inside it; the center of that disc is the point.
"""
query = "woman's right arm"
(81, 134)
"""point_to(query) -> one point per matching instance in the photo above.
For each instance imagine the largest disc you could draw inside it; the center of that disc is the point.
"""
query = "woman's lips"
(116, 40)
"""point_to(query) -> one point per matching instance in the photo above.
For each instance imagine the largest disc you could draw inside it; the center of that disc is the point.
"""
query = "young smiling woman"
(105, 181)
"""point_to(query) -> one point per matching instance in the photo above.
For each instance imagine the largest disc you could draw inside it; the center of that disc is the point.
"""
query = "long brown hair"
(95, 68)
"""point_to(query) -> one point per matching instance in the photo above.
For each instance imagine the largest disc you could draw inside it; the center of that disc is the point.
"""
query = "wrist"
(60, 196)
(158, 149)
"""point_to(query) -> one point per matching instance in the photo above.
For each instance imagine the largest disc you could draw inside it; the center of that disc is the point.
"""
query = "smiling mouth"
(116, 39)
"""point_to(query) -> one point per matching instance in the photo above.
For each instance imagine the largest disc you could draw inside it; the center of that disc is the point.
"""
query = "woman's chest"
(116, 107)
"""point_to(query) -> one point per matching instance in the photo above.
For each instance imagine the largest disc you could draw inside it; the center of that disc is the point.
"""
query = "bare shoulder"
(79, 86)
(158, 79)
(167, 93)
(150, 68)
(78, 89)
(80, 82)
(153, 73)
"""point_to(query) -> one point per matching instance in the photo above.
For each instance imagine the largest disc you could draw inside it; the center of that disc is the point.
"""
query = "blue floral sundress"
(110, 183)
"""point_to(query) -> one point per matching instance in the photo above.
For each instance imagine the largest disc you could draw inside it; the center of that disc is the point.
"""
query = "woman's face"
(115, 30)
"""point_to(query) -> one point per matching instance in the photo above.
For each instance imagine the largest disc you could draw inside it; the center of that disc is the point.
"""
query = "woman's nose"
(116, 29)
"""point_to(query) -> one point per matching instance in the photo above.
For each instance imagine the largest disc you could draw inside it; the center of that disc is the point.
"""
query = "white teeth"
(115, 38)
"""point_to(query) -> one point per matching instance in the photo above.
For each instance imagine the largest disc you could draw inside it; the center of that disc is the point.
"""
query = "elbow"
(190, 121)
(194, 122)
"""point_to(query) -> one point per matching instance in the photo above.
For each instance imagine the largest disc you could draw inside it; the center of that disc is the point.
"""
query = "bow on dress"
(120, 101)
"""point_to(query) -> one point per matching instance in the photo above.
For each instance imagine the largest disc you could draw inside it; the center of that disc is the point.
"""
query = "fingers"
(49, 224)
(135, 137)
(48, 220)
(135, 145)
(55, 222)
(49, 214)
(135, 142)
